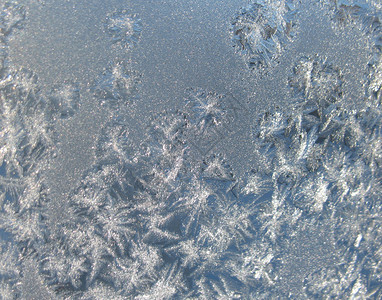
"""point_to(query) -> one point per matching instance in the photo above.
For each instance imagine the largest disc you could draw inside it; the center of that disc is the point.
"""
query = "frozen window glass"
(198, 149)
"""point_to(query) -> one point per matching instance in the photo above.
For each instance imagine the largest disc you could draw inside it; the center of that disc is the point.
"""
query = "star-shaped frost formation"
(124, 28)
(213, 117)
(262, 29)
(116, 85)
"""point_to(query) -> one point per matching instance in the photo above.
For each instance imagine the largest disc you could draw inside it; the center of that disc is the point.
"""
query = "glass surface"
(195, 149)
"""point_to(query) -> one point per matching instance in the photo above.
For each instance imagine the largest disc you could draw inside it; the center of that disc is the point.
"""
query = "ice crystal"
(212, 117)
(6, 291)
(101, 291)
(9, 265)
(116, 85)
(12, 15)
(206, 108)
(196, 214)
(3, 53)
(60, 268)
(337, 281)
(262, 29)
(26, 227)
(364, 15)
(64, 100)
(255, 265)
(318, 82)
(114, 144)
(24, 130)
(312, 194)
(166, 147)
(124, 28)
(375, 79)
(31, 284)
(195, 204)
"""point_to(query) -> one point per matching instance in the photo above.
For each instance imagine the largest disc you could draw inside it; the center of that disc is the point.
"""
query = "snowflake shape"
(261, 30)
(124, 28)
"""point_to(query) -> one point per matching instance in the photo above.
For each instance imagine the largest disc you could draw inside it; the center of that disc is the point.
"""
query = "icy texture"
(114, 145)
(213, 117)
(262, 29)
(170, 219)
(124, 28)
(12, 15)
(64, 100)
(159, 223)
(26, 146)
(24, 129)
(117, 85)
(316, 82)
(366, 15)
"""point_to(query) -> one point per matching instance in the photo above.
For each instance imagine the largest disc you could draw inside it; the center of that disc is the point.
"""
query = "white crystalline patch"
(255, 185)
(256, 262)
(313, 194)
(332, 281)
(316, 81)
(124, 28)
(118, 84)
(24, 125)
(64, 100)
(364, 15)
(212, 117)
(206, 107)
(262, 29)
(11, 16)
(375, 79)
(114, 143)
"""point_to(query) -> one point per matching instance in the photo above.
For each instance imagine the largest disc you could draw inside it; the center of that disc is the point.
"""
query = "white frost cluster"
(124, 28)
(262, 29)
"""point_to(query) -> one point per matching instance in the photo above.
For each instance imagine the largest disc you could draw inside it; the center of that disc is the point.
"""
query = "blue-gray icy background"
(190, 149)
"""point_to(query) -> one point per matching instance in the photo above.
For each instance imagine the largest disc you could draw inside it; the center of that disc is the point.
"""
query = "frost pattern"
(24, 129)
(124, 28)
(27, 118)
(157, 223)
(316, 82)
(64, 100)
(12, 16)
(364, 15)
(117, 85)
(262, 29)
(160, 222)
(212, 118)
(26, 145)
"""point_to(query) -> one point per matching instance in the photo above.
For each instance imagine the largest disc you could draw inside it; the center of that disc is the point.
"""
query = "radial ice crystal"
(116, 85)
(206, 108)
(212, 117)
(124, 28)
(64, 100)
(262, 29)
